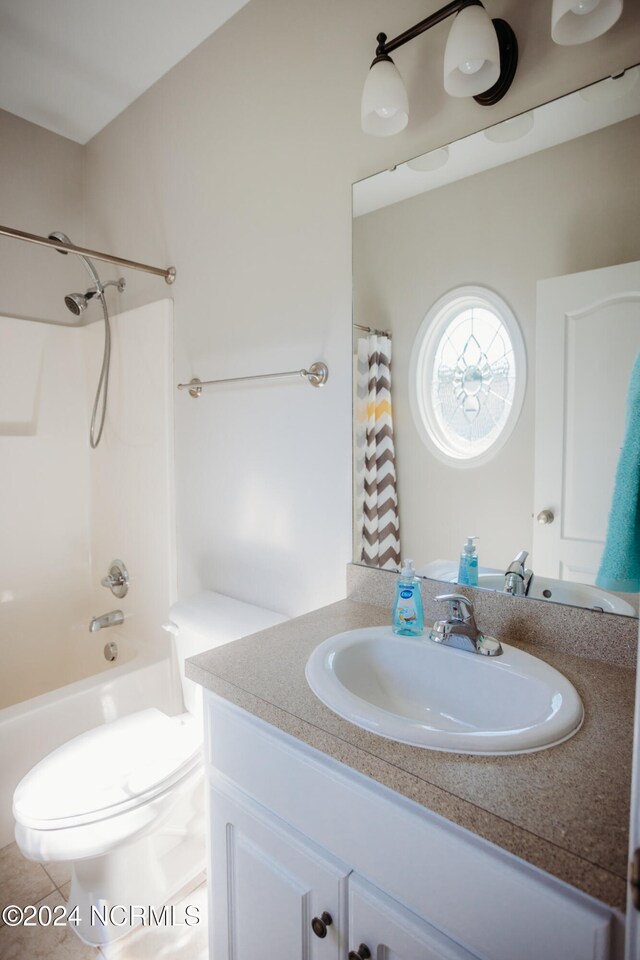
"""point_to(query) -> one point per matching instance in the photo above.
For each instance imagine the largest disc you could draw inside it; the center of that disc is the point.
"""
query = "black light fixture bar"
(447, 11)
(507, 43)
(508, 46)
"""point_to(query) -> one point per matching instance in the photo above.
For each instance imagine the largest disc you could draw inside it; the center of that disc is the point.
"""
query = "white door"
(274, 893)
(587, 339)
(381, 927)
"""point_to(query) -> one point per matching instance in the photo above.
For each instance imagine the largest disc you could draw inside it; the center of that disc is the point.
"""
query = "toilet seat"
(109, 770)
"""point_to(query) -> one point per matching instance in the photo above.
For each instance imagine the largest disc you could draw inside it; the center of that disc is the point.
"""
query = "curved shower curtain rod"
(169, 273)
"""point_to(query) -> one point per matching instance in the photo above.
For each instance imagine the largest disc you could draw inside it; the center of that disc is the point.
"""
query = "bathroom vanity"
(330, 841)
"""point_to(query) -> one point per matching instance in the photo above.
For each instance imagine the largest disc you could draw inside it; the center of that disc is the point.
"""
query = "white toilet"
(123, 803)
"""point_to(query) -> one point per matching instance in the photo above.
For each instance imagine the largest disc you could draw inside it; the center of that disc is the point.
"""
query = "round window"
(467, 375)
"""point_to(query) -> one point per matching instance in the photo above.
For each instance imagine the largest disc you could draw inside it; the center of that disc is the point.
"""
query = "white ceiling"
(73, 65)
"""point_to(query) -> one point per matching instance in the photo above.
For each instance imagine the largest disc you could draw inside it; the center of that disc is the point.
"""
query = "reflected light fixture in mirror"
(512, 129)
(429, 162)
(578, 21)
(480, 61)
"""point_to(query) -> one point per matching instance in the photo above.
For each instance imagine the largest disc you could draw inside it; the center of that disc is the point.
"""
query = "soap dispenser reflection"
(468, 567)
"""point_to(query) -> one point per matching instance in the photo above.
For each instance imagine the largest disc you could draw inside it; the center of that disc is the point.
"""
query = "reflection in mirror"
(541, 214)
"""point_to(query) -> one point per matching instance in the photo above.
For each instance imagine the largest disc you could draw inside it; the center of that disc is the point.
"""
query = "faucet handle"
(517, 564)
(460, 629)
(117, 580)
(460, 607)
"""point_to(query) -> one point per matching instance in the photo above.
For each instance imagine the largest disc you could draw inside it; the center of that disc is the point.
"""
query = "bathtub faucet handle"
(117, 580)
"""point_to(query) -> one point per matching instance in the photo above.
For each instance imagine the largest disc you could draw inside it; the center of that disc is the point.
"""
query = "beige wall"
(41, 190)
(574, 207)
(237, 167)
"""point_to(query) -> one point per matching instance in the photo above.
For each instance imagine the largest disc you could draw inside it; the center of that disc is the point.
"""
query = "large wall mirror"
(497, 285)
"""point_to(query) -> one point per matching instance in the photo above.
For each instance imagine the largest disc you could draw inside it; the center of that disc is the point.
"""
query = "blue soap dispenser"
(407, 613)
(468, 568)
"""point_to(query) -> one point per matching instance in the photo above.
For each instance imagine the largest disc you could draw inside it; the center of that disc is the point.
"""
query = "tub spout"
(111, 619)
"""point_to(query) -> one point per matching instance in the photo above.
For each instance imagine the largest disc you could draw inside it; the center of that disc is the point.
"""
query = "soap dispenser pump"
(468, 568)
(408, 614)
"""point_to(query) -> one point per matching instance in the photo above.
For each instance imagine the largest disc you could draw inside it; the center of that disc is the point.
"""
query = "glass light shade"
(578, 21)
(385, 105)
(512, 129)
(429, 162)
(472, 54)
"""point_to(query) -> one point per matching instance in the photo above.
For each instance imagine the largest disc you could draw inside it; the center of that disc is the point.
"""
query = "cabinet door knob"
(363, 953)
(319, 924)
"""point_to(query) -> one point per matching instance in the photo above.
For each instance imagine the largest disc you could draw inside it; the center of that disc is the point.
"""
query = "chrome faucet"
(460, 629)
(111, 619)
(517, 579)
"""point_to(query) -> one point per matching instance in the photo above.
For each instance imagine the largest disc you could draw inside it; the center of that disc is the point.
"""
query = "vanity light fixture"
(480, 61)
(578, 21)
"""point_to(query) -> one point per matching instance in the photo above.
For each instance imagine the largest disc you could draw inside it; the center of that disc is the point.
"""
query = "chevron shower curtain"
(376, 498)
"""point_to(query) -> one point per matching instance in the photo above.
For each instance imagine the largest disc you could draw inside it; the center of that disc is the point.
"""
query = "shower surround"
(67, 511)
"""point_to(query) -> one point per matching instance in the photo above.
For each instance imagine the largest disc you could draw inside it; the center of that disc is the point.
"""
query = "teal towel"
(620, 566)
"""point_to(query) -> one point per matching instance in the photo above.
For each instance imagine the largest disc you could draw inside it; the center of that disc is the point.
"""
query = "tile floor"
(23, 882)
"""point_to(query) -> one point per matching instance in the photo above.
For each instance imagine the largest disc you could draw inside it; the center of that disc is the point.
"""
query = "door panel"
(268, 885)
(587, 338)
(392, 932)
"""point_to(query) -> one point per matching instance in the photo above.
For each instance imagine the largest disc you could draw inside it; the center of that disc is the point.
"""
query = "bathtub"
(32, 729)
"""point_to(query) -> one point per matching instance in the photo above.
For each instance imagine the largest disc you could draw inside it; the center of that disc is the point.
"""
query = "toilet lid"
(117, 763)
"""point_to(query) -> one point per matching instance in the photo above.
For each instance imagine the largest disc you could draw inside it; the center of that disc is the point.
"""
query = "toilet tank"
(208, 620)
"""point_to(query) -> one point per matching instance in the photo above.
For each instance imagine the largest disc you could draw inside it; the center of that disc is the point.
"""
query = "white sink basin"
(423, 693)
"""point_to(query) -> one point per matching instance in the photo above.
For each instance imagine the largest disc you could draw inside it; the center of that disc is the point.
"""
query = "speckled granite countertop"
(565, 809)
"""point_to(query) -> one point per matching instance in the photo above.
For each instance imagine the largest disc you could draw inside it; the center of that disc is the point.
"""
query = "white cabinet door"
(268, 886)
(380, 927)
(587, 338)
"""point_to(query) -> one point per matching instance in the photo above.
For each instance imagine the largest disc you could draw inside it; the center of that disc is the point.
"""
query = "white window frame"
(436, 321)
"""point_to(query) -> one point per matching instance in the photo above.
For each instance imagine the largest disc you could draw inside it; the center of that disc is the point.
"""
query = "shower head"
(77, 302)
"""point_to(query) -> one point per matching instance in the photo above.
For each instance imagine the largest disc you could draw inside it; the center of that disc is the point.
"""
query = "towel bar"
(316, 375)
